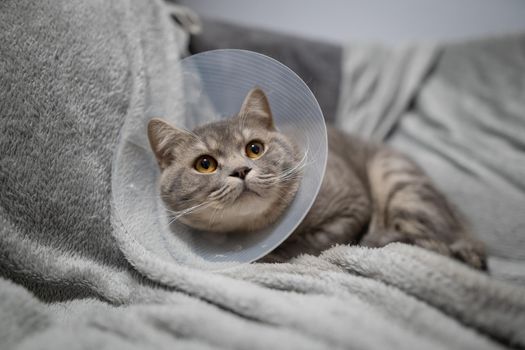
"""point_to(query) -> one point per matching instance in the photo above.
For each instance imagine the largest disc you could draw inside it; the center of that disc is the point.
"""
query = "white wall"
(377, 20)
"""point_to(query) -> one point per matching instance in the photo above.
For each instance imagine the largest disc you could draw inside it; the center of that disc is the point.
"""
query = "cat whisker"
(300, 164)
(280, 179)
(212, 218)
(222, 199)
(218, 193)
(187, 211)
(216, 198)
(289, 174)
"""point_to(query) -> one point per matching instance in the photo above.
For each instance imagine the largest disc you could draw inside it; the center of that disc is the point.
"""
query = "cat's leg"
(409, 208)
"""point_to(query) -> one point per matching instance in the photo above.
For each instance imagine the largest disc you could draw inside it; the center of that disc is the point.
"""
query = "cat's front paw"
(471, 252)
(466, 250)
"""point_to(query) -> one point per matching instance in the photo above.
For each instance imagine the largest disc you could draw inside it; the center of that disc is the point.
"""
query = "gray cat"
(240, 174)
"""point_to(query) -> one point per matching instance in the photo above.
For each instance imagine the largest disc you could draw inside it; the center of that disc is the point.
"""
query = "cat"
(240, 174)
(230, 175)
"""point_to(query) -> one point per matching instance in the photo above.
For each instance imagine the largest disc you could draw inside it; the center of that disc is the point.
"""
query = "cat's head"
(237, 174)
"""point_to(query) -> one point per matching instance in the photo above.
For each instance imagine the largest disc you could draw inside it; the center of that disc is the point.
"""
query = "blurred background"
(338, 21)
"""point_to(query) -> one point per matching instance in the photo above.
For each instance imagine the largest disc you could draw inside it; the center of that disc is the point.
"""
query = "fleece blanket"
(465, 126)
(71, 74)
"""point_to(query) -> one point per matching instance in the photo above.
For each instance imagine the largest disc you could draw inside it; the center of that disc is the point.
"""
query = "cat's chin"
(249, 212)
(247, 209)
(247, 196)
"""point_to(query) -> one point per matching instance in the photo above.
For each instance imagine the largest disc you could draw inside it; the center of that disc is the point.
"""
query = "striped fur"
(373, 195)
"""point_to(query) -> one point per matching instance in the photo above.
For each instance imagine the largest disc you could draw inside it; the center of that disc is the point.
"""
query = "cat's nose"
(241, 172)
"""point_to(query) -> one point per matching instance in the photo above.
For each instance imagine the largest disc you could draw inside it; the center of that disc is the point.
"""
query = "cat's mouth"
(242, 194)
(246, 191)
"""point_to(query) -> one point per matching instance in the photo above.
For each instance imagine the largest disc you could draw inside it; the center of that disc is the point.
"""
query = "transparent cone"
(214, 85)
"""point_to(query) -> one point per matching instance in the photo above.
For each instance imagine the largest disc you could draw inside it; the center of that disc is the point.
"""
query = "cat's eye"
(205, 164)
(254, 149)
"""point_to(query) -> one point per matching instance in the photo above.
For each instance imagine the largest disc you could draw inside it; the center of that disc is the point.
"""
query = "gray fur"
(370, 194)
(374, 196)
(218, 201)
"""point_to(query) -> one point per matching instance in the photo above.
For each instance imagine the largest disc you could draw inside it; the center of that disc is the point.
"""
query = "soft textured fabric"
(466, 127)
(458, 110)
(397, 297)
(71, 73)
(378, 84)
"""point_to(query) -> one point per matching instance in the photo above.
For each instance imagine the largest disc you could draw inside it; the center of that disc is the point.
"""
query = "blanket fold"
(378, 84)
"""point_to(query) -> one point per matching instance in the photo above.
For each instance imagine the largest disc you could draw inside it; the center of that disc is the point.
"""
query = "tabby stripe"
(411, 172)
(396, 188)
(415, 216)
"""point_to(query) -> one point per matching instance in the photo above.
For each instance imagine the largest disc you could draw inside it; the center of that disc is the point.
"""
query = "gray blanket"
(465, 126)
(71, 73)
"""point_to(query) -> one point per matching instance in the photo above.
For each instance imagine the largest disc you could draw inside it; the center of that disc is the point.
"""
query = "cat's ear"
(163, 139)
(257, 107)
